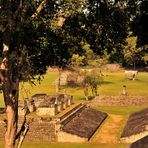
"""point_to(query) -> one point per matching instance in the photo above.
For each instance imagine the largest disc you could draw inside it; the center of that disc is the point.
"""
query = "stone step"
(71, 114)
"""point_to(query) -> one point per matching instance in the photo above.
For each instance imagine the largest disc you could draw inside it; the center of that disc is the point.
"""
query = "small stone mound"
(38, 98)
(136, 127)
(85, 123)
(48, 101)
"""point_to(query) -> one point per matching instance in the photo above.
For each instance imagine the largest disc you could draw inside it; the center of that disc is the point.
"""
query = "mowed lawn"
(112, 85)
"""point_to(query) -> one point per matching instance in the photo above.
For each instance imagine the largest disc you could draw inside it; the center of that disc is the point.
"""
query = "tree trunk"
(11, 127)
(10, 87)
(9, 74)
(134, 63)
(11, 102)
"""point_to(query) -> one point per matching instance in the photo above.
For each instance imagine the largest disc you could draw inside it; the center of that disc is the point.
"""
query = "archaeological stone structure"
(52, 105)
(45, 105)
(76, 125)
(120, 100)
(79, 126)
(136, 127)
(142, 143)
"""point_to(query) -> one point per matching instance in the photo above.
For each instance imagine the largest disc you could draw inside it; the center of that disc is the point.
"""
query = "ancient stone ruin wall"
(136, 126)
(41, 130)
(120, 101)
(134, 138)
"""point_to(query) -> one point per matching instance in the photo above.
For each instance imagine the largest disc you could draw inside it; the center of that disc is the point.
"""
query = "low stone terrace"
(80, 124)
(142, 143)
(136, 126)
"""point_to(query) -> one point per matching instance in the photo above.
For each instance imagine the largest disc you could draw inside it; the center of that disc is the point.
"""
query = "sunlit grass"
(47, 86)
(118, 110)
(113, 83)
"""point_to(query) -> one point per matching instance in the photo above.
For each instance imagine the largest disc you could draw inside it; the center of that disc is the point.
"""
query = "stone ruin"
(79, 124)
(69, 78)
(26, 106)
(45, 105)
(141, 143)
(136, 127)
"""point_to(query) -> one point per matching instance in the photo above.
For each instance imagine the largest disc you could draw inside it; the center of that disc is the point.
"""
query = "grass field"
(118, 110)
(113, 83)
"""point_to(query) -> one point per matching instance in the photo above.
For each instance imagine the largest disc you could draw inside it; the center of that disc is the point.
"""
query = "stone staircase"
(71, 114)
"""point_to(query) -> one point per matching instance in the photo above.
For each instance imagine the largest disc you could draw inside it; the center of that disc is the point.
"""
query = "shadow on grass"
(70, 86)
(89, 98)
(106, 82)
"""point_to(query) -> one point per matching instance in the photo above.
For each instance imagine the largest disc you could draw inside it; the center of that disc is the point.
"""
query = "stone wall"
(47, 111)
(41, 130)
(120, 101)
(112, 67)
(134, 138)
(69, 137)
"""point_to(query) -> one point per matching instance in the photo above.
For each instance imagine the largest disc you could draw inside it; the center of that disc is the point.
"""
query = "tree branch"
(24, 128)
(23, 133)
(39, 9)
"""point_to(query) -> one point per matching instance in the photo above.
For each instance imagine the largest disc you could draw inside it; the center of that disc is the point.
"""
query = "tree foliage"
(107, 27)
(138, 11)
(92, 79)
(133, 55)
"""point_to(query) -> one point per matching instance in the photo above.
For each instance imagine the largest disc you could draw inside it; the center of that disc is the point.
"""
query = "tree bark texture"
(11, 102)
(10, 87)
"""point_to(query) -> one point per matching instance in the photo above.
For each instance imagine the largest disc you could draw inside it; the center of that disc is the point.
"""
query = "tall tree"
(29, 43)
(138, 13)
(140, 21)
(25, 42)
(24, 32)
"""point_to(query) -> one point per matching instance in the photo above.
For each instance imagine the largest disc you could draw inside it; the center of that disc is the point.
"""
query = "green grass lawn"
(113, 83)
(118, 110)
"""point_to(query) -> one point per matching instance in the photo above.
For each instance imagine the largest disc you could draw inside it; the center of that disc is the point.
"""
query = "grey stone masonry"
(120, 101)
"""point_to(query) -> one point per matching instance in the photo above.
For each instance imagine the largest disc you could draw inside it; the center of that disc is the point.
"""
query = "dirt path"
(110, 130)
